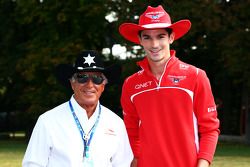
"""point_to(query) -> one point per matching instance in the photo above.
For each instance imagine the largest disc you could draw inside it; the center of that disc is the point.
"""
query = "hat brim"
(130, 30)
(63, 73)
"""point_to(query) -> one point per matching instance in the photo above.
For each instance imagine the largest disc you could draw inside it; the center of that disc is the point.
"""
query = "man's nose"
(89, 83)
(154, 43)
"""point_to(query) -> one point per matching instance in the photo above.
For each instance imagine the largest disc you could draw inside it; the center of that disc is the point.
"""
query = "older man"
(80, 132)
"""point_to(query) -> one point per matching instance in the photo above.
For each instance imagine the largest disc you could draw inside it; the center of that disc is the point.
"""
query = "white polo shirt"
(56, 140)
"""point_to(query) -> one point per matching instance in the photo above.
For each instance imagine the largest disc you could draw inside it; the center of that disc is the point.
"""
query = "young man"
(80, 132)
(168, 105)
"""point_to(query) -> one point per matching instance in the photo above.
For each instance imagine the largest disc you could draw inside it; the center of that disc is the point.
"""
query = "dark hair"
(169, 31)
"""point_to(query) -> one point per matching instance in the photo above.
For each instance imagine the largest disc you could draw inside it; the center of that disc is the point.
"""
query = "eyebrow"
(156, 35)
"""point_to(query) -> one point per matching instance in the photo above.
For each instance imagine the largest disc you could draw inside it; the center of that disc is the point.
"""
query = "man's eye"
(145, 37)
(82, 75)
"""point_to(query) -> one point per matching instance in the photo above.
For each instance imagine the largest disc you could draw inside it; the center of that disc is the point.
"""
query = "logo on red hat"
(154, 15)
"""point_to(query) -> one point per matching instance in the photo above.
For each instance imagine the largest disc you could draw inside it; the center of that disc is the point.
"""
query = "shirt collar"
(82, 114)
(144, 63)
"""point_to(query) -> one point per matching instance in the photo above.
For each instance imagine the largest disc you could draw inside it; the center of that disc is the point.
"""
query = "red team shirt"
(171, 122)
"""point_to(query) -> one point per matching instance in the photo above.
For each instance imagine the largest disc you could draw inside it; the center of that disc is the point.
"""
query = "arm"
(208, 123)
(123, 155)
(134, 163)
(37, 152)
(131, 119)
(202, 163)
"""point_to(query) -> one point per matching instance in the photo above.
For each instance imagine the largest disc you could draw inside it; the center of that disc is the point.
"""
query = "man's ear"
(71, 84)
(139, 37)
(171, 37)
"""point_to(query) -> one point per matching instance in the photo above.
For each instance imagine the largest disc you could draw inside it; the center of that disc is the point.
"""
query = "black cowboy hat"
(87, 61)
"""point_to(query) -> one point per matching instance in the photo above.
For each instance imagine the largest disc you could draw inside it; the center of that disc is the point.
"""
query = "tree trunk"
(245, 111)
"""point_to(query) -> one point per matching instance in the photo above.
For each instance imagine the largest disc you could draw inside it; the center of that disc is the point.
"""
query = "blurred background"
(37, 35)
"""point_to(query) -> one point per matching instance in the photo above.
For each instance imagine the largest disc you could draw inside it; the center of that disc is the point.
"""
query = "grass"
(11, 153)
(232, 155)
(227, 154)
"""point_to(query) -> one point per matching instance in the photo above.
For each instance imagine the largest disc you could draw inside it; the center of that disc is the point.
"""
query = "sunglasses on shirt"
(83, 78)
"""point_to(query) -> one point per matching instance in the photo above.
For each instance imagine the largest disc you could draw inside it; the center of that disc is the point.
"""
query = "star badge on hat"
(89, 60)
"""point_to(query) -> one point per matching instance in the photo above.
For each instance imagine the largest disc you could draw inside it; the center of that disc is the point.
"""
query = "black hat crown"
(88, 61)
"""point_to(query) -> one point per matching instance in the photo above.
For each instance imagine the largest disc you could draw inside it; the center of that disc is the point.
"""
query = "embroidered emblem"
(154, 15)
(176, 79)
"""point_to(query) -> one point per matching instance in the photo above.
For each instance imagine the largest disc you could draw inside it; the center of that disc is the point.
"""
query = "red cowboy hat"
(153, 18)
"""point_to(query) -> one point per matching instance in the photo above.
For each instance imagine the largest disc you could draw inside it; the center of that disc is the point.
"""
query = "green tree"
(36, 36)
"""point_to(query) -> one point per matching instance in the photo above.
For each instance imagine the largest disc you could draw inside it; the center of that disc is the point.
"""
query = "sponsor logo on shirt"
(176, 79)
(140, 72)
(184, 66)
(211, 109)
(143, 85)
(110, 132)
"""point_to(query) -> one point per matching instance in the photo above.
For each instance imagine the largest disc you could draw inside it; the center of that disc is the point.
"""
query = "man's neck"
(157, 68)
(90, 109)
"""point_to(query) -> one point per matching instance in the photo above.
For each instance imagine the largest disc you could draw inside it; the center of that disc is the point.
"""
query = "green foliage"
(36, 36)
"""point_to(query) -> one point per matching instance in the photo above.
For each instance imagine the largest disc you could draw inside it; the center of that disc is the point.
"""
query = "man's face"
(88, 93)
(156, 44)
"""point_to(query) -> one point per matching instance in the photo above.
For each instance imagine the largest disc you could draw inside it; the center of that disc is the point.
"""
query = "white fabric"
(156, 25)
(56, 140)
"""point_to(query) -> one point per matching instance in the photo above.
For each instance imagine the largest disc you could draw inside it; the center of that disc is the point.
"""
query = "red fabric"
(171, 122)
(154, 17)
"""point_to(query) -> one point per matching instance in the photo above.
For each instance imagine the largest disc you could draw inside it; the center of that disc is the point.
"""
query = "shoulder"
(110, 117)
(134, 76)
(186, 69)
(55, 113)
(186, 66)
(107, 113)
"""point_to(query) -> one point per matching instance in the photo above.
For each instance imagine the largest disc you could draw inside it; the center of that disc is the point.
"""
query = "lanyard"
(86, 138)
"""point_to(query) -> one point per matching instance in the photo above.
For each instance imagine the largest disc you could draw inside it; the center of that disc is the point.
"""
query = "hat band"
(90, 68)
(156, 25)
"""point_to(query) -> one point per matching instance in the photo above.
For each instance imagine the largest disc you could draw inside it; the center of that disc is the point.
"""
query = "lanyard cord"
(86, 138)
